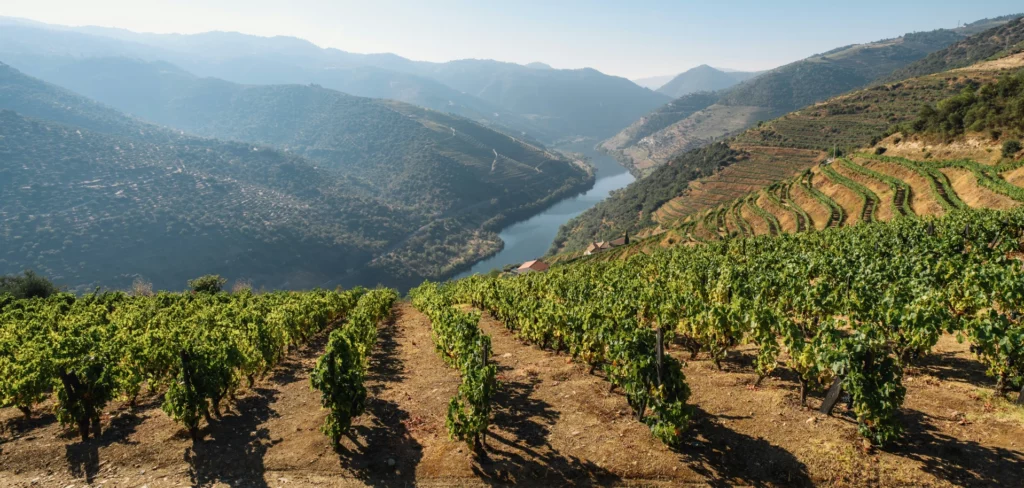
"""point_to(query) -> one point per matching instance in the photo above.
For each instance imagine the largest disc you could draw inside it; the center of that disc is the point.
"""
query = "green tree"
(207, 284)
(27, 285)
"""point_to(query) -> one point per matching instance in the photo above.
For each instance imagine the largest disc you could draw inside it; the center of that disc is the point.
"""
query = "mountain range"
(703, 78)
(545, 104)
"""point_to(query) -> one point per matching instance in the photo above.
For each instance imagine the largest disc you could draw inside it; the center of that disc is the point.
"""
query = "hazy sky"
(633, 38)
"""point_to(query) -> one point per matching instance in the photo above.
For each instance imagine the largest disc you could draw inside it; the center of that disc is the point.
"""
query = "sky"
(633, 39)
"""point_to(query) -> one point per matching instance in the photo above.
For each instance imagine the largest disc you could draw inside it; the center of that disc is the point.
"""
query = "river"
(531, 238)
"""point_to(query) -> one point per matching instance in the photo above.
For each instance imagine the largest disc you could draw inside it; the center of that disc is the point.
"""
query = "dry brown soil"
(973, 194)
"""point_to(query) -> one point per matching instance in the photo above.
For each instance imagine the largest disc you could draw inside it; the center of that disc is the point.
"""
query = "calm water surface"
(530, 239)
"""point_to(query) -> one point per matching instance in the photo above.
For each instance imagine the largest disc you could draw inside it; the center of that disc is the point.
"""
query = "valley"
(430, 195)
(235, 260)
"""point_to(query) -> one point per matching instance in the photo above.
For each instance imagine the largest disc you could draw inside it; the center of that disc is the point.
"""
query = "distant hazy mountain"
(327, 187)
(36, 49)
(654, 82)
(703, 78)
(562, 102)
(534, 100)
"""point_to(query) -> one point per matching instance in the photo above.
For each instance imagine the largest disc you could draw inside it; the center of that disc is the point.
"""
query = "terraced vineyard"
(761, 167)
(867, 187)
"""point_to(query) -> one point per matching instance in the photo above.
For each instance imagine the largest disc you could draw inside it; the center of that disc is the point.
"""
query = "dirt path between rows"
(557, 424)
(269, 437)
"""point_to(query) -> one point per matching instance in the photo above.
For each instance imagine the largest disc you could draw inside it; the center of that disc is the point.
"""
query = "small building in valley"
(600, 246)
(532, 267)
(596, 247)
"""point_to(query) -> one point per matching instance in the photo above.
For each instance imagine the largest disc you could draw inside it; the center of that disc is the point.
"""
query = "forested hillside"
(423, 159)
(92, 209)
(422, 206)
(780, 91)
(786, 146)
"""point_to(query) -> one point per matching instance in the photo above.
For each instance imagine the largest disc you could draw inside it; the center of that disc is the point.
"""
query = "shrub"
(880, 150)
(995, 106)
(1011, 148)
(141, 288)
(241, 285)
(27, 285)
(207, 284)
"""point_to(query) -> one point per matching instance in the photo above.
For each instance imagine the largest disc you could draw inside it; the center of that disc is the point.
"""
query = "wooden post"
(186, 371)
(73, 389)
(832, 397)
(931, 228)
(660, 352)
(803, 392)
(485, 356)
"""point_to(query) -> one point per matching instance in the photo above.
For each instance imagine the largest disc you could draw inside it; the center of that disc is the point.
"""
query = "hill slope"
(1003, 40)
(341, 218)
(722, 173)
(780, 91)
(703, 78)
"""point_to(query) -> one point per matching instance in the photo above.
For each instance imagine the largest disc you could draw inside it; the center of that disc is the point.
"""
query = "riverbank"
(531, 238)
